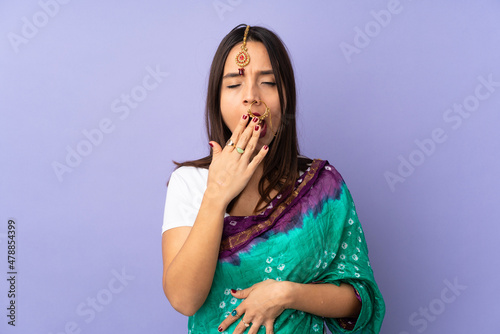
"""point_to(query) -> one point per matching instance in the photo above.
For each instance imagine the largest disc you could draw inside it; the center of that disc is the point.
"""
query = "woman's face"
(258, 83)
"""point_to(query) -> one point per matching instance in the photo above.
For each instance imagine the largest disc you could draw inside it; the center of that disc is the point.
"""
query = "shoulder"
(326, 170)
(326, 180)
(184, 195)
(189, 175)
(188, 180)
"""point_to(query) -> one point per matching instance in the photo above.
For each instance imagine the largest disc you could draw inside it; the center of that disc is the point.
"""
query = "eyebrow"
(234, 75)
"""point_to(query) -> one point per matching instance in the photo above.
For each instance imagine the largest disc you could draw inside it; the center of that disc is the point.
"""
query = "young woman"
(257, 239)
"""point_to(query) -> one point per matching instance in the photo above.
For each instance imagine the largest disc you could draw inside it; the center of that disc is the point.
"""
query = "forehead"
(259, 58)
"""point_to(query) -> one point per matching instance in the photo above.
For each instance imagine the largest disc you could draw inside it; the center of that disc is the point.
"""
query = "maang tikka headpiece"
(243, 58)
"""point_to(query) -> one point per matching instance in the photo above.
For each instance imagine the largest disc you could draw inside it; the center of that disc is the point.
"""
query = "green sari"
(311, 235)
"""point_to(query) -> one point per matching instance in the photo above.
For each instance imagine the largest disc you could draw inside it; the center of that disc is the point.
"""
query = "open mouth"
(263, 130)
(261, 122)
(261, 118)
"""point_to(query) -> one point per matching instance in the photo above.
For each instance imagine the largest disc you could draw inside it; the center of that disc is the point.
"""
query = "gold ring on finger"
(230, 142)
(244, 323)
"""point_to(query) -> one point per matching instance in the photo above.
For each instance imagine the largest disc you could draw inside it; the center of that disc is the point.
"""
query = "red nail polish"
(220, 329)
(233, 290)
(257, 128)
(266, 147)
(255, 119)
(211, 145)
(245, 117)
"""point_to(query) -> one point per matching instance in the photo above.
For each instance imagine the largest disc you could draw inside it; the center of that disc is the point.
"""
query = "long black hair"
(282, 163)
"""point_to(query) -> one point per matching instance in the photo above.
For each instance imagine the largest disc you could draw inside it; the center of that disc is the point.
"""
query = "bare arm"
(190, 257)
(190, 253)
(325, 300)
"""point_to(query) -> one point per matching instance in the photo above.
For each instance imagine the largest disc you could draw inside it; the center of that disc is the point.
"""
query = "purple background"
(362, 111)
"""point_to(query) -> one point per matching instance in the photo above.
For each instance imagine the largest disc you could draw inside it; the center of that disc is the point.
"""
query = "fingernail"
(255, 119)
(257, 128)
(266, 147)
(233, 290)
(211, 145)
(220, 329)
(245, 117)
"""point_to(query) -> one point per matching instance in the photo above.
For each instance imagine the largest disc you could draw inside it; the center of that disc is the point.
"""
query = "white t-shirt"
(184, 194)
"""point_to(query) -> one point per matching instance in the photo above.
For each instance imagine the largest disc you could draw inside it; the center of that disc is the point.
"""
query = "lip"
(263, 130)
(263, 125)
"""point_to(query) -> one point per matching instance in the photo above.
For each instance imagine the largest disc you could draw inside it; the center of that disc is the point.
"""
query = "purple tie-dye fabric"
(278, 214)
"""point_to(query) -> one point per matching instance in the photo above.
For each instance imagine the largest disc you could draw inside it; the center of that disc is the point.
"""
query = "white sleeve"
(184, 194)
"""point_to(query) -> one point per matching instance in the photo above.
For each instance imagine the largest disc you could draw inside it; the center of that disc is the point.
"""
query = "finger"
(254, 327)
(252, 143)
(239, 128)
(232, 317)
(241, 327)
(247, 134)
(269, 327)
(241, 294)
(216, 148)
(252, 166)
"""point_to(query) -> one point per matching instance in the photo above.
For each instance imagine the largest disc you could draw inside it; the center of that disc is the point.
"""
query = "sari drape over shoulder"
(309, 235)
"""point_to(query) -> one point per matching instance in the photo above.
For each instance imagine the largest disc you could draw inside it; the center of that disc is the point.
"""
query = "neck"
(246, 201)
(253, 183)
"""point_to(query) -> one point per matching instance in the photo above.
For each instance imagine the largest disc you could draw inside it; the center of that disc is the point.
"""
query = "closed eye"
(232, 86)
(270, 83)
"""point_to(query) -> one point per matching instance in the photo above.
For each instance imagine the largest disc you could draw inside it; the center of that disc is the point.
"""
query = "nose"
(251, 94)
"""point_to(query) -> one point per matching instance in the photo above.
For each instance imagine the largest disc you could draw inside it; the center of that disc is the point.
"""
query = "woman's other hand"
(263, 303)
